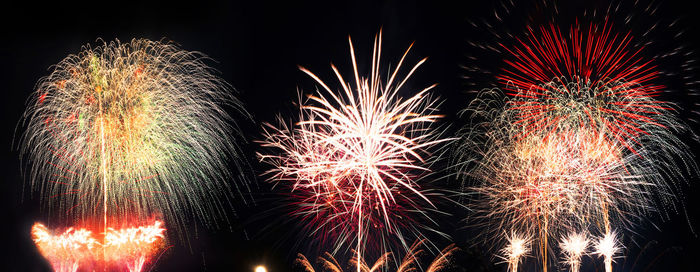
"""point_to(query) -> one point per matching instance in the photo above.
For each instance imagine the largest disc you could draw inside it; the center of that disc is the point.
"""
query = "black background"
(258, 47)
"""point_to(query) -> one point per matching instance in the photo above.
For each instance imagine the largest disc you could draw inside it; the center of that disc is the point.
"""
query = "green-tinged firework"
(123, 132)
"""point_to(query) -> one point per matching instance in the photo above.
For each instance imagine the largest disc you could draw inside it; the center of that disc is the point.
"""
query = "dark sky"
(257, 47)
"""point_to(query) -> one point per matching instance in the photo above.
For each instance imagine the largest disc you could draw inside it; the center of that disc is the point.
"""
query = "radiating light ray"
(354, 158)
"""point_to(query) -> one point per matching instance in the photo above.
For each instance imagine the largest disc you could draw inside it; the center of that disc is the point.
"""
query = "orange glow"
(130, 247)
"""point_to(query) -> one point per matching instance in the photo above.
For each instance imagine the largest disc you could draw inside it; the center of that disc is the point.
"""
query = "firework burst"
(129, 130)
(122, 133)
(65, 252)
(580, 140)
(354, 158)
(589, 78)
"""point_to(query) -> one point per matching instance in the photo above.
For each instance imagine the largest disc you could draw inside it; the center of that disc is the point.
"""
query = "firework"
(133, 246)
(354, 158)
(130, 247)
(580, 139)
(122, 133)
(546, 184)
(574, 246)
(409, 263)
(518, 247)
(67, 251)
(607, 248)
(588, 79)
(130, 129)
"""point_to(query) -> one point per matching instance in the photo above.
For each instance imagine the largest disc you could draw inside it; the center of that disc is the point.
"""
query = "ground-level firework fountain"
(127, 248)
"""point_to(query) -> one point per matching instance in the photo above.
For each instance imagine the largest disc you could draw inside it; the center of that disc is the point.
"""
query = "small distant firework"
(607, 247)
(574, 246)
(409, 263)
(129, 130)
(518, 247)
(129, 248)
(354, 158)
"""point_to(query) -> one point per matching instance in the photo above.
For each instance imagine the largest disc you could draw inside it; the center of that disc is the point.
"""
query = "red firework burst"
(591, 77)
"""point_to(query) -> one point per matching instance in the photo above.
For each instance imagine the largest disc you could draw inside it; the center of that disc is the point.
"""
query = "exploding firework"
(591, 79)
(580, 139)
(128, 131)
(129, 248)
(122, 133)
(574, 246)
(354, 158)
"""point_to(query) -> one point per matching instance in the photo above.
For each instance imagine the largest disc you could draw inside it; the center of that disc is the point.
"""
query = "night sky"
(257, 48)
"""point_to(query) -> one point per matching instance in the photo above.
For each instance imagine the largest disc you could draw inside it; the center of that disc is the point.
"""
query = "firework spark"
(574, 246)
(355, 156)
(607, 248)
(129, 248)
(128, 131)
